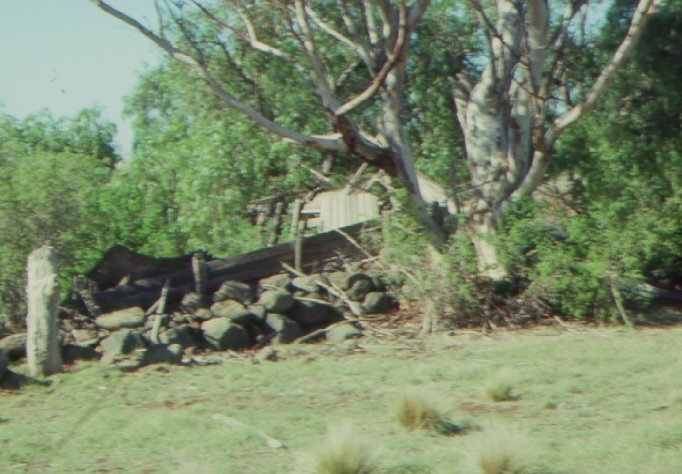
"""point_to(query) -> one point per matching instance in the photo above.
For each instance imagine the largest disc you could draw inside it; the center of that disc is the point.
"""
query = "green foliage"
(621, 222)
(51, 172)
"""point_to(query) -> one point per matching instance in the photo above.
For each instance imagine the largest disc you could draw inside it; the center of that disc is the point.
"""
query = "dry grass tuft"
(343, 453)
(500, 391)
(500, 451)
(415, 412)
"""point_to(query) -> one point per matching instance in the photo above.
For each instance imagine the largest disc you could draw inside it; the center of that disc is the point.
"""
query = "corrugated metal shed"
(334, 209)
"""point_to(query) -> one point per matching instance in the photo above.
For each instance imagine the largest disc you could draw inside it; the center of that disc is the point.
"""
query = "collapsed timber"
(135, 310)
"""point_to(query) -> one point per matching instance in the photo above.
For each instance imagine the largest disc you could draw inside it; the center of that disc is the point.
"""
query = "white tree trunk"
(42, 344)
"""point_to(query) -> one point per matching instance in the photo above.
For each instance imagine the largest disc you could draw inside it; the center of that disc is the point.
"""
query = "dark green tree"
(51, 172)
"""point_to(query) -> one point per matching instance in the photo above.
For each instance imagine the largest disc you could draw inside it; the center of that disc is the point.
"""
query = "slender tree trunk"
(42, 343)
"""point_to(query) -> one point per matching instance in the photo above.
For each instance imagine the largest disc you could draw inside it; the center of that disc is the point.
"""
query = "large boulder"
(276, 301)
(121, 342)
(224, 334)
(85, 337)
(183, 335)
(74, 352)
(341, 332)
(233, 310)
(286, 329)
(360, 288)
(191, 302)
(163, 354)
(308, 283)
(279, 281)
(314, 314)
(234, 290)
(377, 302)
(14, 346)
(353, 278)
(124, 318)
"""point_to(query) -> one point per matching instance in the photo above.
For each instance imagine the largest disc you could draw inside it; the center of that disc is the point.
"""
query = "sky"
(66, 55)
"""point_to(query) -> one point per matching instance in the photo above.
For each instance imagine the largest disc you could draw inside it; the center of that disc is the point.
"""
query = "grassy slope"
(607, 401)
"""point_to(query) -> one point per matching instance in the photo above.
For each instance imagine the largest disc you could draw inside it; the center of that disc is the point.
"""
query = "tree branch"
(378, 80)
(332, 143)
(310, 48)
(645, 10)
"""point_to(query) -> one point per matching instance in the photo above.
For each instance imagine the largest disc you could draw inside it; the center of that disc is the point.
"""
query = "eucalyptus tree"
(512, 107)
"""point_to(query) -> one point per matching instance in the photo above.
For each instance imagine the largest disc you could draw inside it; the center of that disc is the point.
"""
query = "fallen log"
(245, 267)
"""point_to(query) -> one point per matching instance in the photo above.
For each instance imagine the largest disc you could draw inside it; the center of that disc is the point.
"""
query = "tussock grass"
(500, 450)
(344, 453)
(416, 412)
(501, 388)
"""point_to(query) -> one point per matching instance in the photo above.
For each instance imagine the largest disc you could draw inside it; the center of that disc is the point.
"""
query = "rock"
(191, 302)
(279, 281)
(313, 314)
(276, 301)
(377, 302)
(224, 334)
(12, 381)
(354, 277)
(359, 289)
(85, 337)
(233, 310)
(287, 330)
(4, 362)
(337, 278)
(163, 354)
(379, 282)
(342, 332)
(14, 346)
(202, 314)
(184, 335)
(259, 311)
(121, 342)
(234, 290)
(125, 318)
(308, 284)
(74, 352)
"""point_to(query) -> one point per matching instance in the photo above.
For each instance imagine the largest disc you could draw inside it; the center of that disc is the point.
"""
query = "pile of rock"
(277, 309)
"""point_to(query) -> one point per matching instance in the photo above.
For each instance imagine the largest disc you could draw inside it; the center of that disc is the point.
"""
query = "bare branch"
(359, 49)
(371, 24)
(310, 48)
(645, 10)
(332, 143)
(397, 52)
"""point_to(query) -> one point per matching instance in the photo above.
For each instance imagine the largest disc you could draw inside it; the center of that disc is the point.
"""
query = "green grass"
(606, 401)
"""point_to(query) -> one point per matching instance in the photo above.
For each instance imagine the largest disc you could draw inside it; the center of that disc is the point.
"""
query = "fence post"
(42, 293)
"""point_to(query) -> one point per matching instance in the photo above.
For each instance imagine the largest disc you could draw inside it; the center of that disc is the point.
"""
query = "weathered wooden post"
(200, 270)
(42, 292)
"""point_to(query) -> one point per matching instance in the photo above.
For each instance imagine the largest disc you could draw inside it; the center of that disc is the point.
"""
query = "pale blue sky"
(65, 55)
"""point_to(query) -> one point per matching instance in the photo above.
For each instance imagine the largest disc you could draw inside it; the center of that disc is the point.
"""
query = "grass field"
(578, 401)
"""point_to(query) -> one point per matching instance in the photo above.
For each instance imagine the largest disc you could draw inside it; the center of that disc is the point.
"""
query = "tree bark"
(42, 343)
